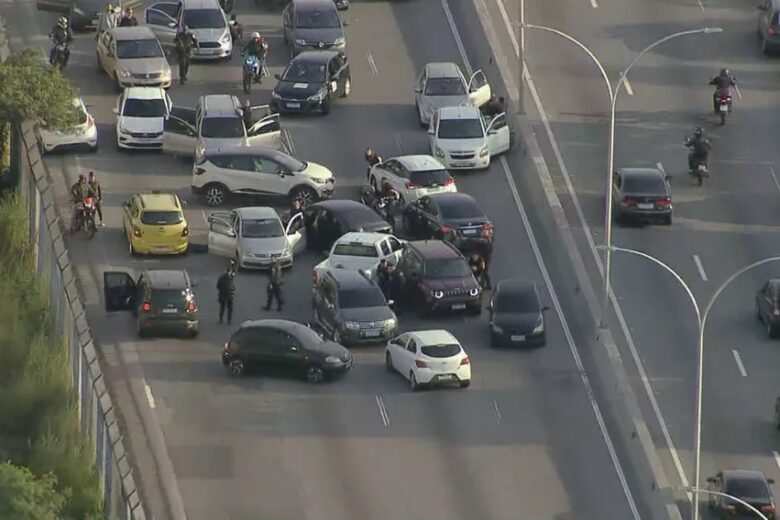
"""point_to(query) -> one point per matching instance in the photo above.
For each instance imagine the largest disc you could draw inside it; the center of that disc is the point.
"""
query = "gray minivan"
(769, 25)
(313, 25)
(204, 18)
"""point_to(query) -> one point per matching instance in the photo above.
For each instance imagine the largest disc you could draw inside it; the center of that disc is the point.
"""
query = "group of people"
(226, 290)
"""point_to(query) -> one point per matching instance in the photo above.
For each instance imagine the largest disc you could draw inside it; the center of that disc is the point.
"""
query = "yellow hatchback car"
(154, 224)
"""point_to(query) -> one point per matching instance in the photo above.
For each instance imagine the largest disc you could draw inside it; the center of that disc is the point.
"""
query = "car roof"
(159, 201)
(313, 4)
(641, 172)
(254, 151)
(442, 69)
(516, 285)
(201, 4)
(416, 163)
(460, 112)
(258, 212)
(167, 279)
(434, 249)
(139, 32)
(347, 279)
(347, 209)
(361, 237)
(454, 198)
(743, 474)
(318, 57)
(144, 93)
(287, 325)
(432, 337)
(220, 105)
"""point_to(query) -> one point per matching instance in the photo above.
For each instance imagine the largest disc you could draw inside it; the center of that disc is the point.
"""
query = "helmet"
(699, 131)
(474, 258)
(395, 195)
(62, 22)
(725, 72)
(255, 35)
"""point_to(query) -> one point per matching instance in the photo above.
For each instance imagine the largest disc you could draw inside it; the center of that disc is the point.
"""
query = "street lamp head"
(712, 30)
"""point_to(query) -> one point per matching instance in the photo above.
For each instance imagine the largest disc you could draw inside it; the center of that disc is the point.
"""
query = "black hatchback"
(749, 486)
(311, 81)
(326, 221)
(517, 314)
(453, 217)
(284, 346)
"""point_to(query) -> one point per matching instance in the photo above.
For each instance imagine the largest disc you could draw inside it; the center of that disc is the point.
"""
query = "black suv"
(160, 299)
(350, 307)
(285, 346)
(433, 275)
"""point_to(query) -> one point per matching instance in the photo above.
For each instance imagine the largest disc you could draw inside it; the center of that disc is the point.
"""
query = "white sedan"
(140, 117)
(428, 357)
(413, 176)
(83, 135)
(462, 138)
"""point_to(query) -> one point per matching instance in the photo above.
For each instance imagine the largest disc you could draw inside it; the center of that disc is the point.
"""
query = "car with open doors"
(463, 138)
(442, 84)
(328, 220)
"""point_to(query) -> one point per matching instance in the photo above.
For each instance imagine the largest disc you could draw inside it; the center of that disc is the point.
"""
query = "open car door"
(294, 233)
(267, 131)
(479, 89)
(498, 135)
(118, 291)
(222, 235)
(161, 19)
(179, 134)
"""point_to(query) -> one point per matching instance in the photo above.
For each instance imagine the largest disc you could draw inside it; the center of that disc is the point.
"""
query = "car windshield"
(643, 184)
(356, 298)
(517, 302)
(162, 218)
(262, 228)
(458, 209)
(328, 19)
(144, 108)
(447, 268)
(460, 129)
(355, 249)
(129, 49)
(441, 351)
(445, 87)
(305, 73)
(222, 127)
(166, 297)
(204, 19)
(746, 488)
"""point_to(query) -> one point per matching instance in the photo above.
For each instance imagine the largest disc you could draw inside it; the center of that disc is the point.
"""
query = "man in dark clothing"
(296, 208)
(79, 192)
(383, 277)
(479, 266)
(185, 41)
(94, 185)
(128, 19)
(246, 114)
(494, 107)
(372, 158)
(723, 83)
(236, 29)
(700, 148)
(226, 290)
(61, 35)
(274, 289)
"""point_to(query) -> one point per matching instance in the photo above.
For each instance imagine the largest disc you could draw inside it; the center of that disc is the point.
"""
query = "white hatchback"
(413, 176)
(462, 138)
(428, 357)
(140, 117)
(83, 135)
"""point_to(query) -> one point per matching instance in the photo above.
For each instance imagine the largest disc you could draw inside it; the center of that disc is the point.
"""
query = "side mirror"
(418, 90)
(770, 480)
(277, 76)
(345, 24)
(546, 308)
(390, 303)
(172, 25)
(492, 132)
(184, 203)
(115, 110)
(231, 234)
(711, 480)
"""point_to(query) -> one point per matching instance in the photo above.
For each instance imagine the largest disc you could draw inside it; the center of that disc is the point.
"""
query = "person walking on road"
(94, 184)
(226, 290)
(185, 41)
(274, 289)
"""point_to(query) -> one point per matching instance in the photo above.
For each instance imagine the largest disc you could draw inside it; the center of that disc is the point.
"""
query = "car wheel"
(133, 252)
(413, 384)
(420, 115)
(466, 383)
(97, 62)
(140, 330)
(193, 333)
(764, 46)
(389, 362)
(758, 314)
(215, 195)
(325, 109)
(237, 260)
(314, 374)
(306, 195)
(347, 87)
(235, 368)
(495, 341)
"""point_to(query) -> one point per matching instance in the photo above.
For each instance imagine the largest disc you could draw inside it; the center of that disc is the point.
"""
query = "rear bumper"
(644, 214)
(185, 324)
(431, 377)
(145, 248)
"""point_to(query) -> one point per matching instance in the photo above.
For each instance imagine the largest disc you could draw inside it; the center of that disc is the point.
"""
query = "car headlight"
(300, 41)
(439, 153)
(319, 96)
(474, 291)
(123, 130)
(287, 252)
(339, 41)
(484, 152)
(275, 95)
(225, 39)
(389, 324)
(496, 328)
(539, 327)
(333, 360)
(437, 294)
(123, 73)
(351, 325)
(318, 180)
(77, 10)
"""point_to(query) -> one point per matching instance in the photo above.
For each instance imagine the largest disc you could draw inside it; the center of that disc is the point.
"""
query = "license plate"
(517, 338)
(464, 164)
(371, 333)
(446, 377)
(644, 206)
(170, 311)
(161, 248)
(458, 306)
(469, 231)
(724, 108)
(293, 105)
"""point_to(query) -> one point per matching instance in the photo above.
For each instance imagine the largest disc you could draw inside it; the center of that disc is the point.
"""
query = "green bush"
(25, 497)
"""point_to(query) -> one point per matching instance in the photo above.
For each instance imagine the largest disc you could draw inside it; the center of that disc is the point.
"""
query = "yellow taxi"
(154, 224)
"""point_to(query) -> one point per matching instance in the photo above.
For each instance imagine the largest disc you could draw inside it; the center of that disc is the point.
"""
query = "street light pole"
(735, 499)
(613, 94)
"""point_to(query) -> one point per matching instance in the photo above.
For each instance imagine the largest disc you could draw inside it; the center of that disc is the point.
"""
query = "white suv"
(413, 176)
(140, 116)
(258, 171)
(462, 138)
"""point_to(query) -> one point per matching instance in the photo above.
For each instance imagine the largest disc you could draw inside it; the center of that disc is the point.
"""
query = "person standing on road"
(98, 191)
(226, 290)
(383, 277)
(128, 19)
(246, 114)
(112, 16)
(274, 289)
(185, 41)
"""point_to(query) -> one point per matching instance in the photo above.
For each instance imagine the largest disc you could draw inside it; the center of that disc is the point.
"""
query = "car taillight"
(190, 306)
(449, 181)
(185, 232)
(666, 202)
(420, 364)
(776, 311)
(146, 307)
(730, 509)
(628, 201)
(226, 347)
(314, 276)
(410, 186)
(136, 231)
(725, 99)
(771, 31)
(465, 361)
(770, 508)
(447, 229)
(487, 230)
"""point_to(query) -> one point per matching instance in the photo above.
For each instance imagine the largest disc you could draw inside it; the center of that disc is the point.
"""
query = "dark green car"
(161, 300)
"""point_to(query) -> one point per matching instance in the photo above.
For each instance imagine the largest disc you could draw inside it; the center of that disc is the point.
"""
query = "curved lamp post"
(613, 94)
(702, 321)
(735, 499)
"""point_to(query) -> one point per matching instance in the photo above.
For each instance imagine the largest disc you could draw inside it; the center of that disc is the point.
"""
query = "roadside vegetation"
(48, 470)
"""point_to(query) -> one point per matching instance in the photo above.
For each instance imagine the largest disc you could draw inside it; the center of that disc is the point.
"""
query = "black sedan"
(516, 314)
(453, 217)
(641, 194)
(768, 307)
(311, 81)
(326, 221)
(749, 486)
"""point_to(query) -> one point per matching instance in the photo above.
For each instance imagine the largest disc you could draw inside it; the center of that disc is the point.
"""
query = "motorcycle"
(723, 105)
(85, 217)
(699, 171)
(389, 208)
(59, 55)
(252, 72)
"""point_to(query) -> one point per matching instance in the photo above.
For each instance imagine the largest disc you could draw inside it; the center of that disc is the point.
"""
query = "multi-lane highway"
(525, 441)
(719, 228)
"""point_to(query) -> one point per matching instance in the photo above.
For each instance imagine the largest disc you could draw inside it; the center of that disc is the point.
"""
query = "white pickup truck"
(360, 251)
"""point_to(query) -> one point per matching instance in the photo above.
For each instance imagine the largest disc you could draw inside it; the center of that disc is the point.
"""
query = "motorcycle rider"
(246, 113)
(372, 158)
(723, 83)
(700, 148)
(79, 193)
(257, 46)
(185, 41)
(61, 34)
(387, 191)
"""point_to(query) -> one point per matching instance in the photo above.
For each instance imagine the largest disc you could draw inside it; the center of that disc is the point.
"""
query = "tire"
(325, 110)
(758, 315)
(722, 118)
(215, 195)
(238, 262)
(465, 384)
(305, 193)
(98, 64)
(699, 180)
(389, 362)
(413, 384)
(133, 252)
(667, 221)
(140, 331)
(193, 333)
(314, 374)
(235, 368)
(117, 83)
(494, 340)
(347, 87)
(419, 115)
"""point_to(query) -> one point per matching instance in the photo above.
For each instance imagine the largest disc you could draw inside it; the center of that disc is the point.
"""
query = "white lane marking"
(773, 173)
(661, 168)
(497, 411)
(739, 92)
(289, 138)
(597, 258)
(372, 63)
(546, 275)
(594, 4)
(701, 5)
(398, 142)
(699, 267)
(626, 84)
(382, 411)
(205, 218)
(740, 365)
(777, 458)
(149, 396)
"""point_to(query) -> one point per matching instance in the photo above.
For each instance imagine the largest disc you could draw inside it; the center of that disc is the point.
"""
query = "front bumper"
(296, 106)
(212, 53)
(133, 81)
(52, 141)
(455, 304)
(146, 248)
(264, 262)
(472, 163)
(367, 336)
(297, 49)
(426, 376)
(136, 142)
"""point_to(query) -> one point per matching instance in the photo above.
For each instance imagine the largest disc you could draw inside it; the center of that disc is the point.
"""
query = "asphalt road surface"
(522, 443)
(729, 223)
